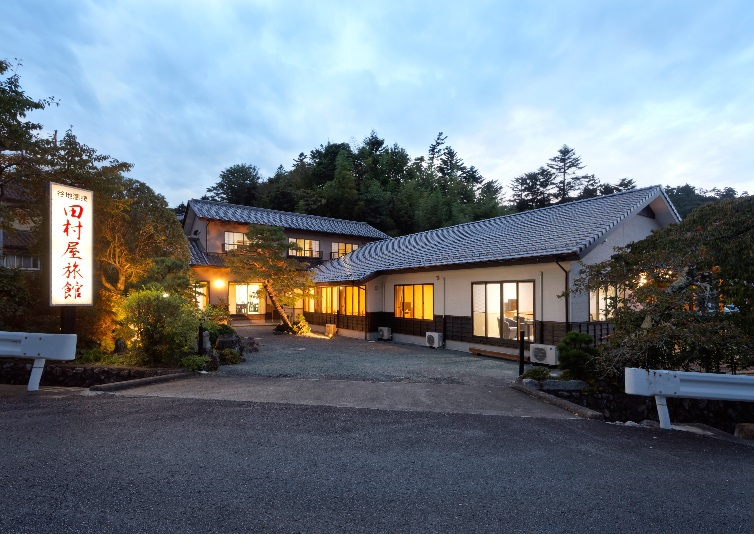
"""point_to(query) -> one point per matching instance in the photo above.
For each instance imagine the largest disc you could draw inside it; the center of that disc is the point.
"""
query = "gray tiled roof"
(200, 257)
(220, 211)
(19, 239)
(564, 230)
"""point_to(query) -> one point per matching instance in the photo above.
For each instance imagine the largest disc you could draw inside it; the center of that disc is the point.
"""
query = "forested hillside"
(372, 182)
(399, 194)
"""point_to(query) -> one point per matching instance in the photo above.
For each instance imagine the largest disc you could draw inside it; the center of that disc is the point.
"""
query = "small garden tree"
(264, 260)
(685, 294)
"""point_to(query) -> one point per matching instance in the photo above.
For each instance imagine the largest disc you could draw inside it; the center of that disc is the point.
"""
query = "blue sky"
(660, 91)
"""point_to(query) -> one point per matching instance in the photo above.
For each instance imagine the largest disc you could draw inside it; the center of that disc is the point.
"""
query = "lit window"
(243, 299)
(415, 301)
(352, 300)
(602, 302)
(307, 248)
(341, 249)
(233, 239)
(200, 294)
(503, 309)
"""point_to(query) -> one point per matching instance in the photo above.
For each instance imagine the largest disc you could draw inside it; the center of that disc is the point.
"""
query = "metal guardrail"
(40, 347)
(663, 384)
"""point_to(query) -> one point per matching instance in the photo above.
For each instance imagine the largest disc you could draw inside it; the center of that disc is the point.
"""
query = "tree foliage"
(686, 198)
(556, 182)
(264, 260)
(132, 223)
(685, 294)
(238, 184)
(383, 186)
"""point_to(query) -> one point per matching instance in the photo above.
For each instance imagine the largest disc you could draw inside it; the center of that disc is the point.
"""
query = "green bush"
(217, 329)
(229, 357)
(194, 363)
(577, 356)
(164, 327)
(537, 373)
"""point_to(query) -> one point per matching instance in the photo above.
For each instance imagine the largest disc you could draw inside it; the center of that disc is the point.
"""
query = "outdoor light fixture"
(218, 283)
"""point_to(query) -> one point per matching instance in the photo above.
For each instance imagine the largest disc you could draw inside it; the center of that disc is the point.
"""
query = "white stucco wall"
(633, 229)
(452, 288)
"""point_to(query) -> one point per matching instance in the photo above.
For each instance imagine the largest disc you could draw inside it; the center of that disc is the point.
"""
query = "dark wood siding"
(457, 328)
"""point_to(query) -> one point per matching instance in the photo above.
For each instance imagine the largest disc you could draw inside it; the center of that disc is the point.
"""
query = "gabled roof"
(200, 257)
(220, 211)
(563, 231)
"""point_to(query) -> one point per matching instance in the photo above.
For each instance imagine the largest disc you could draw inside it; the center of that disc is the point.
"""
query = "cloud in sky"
(661, 92)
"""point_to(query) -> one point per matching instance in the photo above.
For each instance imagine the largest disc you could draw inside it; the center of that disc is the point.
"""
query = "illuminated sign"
(71, 238)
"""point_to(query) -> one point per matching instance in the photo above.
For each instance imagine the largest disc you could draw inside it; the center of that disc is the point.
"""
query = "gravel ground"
(342, 358)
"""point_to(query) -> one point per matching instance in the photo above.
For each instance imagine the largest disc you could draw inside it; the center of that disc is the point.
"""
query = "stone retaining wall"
(723, 415)
(72, 375)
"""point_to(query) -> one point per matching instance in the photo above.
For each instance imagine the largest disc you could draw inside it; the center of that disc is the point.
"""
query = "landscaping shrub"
(577, 357)
(302, 327)
(194, 363)
(164, 327)
(537, 373)
(216, 330)
(229, 357)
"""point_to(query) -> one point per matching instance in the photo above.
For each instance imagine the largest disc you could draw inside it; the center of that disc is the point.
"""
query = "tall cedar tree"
(564, 165)
(264, 260)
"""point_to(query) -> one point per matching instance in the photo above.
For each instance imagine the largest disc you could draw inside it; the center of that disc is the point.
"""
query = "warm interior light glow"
(219, 283)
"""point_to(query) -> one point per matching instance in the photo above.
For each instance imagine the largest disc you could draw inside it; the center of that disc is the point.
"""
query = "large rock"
(745, 430)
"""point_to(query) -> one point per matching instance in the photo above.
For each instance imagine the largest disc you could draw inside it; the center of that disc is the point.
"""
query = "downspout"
(567, 297)
(541, 306)
(443, 310)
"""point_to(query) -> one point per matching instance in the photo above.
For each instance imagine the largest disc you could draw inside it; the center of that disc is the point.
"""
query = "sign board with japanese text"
(71, 246)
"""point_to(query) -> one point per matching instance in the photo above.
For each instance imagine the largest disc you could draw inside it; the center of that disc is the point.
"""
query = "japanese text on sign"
(71, 234)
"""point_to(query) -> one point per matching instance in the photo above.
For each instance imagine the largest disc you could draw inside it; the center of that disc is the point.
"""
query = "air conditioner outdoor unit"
(434, 340)
(384, 333)
(546, 354)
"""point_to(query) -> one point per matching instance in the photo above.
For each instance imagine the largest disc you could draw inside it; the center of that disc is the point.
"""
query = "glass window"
(309, 300)
(502, 310)
(307, 248)
(415, 301)
(201, 290)
(329, 300)
(479, 306)
(20, 262)
(244, 299)
(233, 239)
(601, 303)
(352, 300)
(341, 249)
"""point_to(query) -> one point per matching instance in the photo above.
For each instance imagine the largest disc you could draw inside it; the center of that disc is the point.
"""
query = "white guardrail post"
(40, 347)
(663, 384)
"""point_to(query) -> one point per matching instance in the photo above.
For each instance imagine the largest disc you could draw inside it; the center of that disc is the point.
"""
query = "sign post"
(71, 251)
